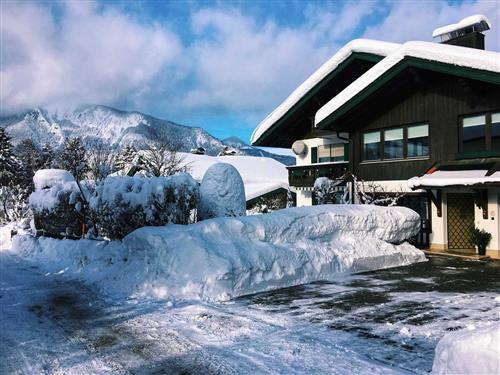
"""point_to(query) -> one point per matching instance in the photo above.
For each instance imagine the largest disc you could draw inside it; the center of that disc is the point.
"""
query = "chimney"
(466, 33)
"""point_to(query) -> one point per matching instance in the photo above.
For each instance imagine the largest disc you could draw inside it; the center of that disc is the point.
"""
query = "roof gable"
(447, 59)
(360, 49)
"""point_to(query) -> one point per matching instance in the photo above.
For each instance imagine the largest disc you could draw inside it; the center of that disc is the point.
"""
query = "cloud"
(90, 55)
(223, 61)
(415, 20)
(249, 66)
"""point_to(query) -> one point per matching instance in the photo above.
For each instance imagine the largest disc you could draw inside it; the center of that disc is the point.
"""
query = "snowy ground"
(386, 321)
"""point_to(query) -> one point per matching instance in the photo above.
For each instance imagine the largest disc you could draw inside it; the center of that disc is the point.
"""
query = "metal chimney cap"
(475, 23)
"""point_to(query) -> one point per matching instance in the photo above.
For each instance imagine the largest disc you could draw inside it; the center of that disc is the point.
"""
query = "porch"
(305, 175)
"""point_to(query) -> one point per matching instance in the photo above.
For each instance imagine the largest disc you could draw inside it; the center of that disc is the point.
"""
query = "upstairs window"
(418, 140)
(371, 146)
(331, 153)
(481, 134)
(393, 144)
(495, 131)
(410, 141)
(474, 133)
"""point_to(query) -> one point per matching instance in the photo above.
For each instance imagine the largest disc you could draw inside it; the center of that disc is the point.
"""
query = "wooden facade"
(299, 121)
(416, 96)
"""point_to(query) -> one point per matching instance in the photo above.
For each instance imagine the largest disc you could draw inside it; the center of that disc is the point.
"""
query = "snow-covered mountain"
(119, 128)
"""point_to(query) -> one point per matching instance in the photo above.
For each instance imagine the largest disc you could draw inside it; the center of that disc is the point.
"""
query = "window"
(331, 153)
(418, 140)
(474, 133)
(393, 144)
(495, 131)
(371, 146)
(397, 143)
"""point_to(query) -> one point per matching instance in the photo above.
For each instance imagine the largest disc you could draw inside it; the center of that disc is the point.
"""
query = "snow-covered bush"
(57, 204)
(222, 192)
(469, 352)
(327, 191)
(122, 204)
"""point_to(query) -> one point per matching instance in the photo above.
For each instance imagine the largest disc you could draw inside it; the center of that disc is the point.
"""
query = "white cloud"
(415, 20)
(243, 65)
(234, 65)
(90, 56)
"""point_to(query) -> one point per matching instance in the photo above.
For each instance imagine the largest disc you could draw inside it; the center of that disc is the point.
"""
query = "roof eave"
(407, 61)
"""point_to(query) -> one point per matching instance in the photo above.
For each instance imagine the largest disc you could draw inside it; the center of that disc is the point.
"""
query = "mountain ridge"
(119, 128)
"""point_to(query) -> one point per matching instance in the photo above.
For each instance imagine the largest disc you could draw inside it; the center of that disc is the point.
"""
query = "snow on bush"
(222, 193)
(46, 178)
(57, 203)
(123, 204)
(223, 258)
(469, 352)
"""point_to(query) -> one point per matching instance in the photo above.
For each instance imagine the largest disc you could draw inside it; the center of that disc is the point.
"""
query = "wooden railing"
(304, 176)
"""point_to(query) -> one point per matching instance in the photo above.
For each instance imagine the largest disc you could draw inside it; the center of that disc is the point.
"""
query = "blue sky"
(221, 65)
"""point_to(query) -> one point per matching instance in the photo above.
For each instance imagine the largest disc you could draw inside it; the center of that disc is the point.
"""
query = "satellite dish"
(299, 148)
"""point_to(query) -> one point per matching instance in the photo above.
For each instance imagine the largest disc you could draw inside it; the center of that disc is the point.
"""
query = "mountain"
(118, 128)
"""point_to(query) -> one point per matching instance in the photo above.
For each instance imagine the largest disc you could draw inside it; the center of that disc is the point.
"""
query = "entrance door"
(460, 220)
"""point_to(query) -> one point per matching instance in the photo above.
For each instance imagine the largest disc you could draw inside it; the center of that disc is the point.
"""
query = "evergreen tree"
(29, 156)
(73, 158)
(47, 157)
(8, 162)
(125, 157)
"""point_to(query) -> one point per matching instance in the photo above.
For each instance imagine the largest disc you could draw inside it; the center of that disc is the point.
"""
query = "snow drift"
(222, 193)
(222, 258)
(469, 352)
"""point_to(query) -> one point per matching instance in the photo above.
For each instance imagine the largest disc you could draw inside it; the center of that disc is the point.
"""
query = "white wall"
(304, 198)
(305, 159)
(491, 223)
(439, 236)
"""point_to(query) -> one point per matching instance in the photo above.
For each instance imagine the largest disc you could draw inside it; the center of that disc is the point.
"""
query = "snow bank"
(469, 352)
(221, 193)
(46, 178)
(223, 258)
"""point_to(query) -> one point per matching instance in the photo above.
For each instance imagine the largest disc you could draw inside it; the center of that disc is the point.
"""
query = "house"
(417, 118)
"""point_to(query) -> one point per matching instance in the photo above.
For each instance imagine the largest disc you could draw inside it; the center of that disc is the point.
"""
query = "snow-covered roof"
(477, 19)
(454, 178)
(374, 47)
(442, 53)
(260, 175)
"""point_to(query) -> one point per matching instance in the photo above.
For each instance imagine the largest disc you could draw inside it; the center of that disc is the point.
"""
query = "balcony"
(305, 175)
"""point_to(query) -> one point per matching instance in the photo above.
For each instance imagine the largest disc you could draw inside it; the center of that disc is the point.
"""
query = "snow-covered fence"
(123, 204)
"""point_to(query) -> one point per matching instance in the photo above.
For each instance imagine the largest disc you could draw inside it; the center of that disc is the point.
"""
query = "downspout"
(351, 150)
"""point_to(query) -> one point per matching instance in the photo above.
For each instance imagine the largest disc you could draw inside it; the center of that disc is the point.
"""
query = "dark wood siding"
(414, 97)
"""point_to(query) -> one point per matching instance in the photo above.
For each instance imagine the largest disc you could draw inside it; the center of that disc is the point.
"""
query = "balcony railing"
(304, 176)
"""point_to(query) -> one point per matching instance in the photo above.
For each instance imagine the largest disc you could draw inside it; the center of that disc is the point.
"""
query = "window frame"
(405, 157)
(488, 130)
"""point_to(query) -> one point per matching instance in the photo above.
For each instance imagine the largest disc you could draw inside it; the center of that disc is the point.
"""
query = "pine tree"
(47, 156)
(8, 162)
(73, 158)
(125, 157)
(29, 156)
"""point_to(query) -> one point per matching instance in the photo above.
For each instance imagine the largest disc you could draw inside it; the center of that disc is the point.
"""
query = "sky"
(220, 65)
